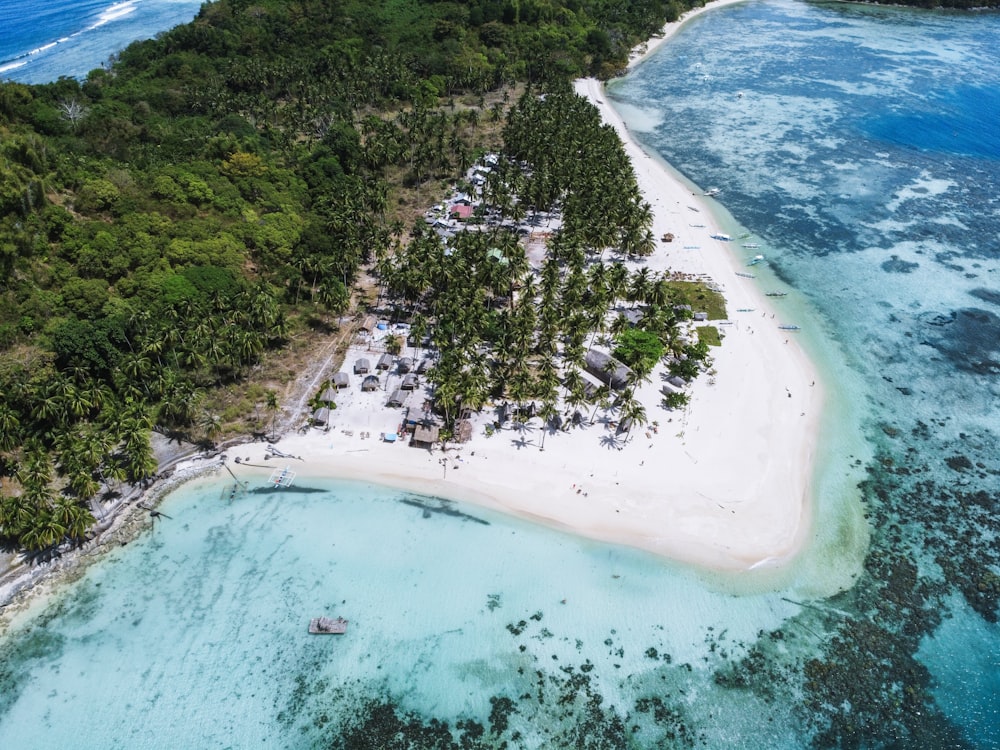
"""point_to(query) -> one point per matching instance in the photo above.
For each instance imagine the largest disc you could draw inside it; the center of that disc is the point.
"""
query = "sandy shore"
(723, 484)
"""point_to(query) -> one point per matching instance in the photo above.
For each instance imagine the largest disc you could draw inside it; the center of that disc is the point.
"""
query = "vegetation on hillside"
(212, 195)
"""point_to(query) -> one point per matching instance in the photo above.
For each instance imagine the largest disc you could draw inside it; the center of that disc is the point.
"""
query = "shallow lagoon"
(196, 631)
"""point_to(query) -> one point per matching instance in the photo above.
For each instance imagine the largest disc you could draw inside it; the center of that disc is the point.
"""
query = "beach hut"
(404, 365)
(384, 362)
(607, 369)
(321, 416)
(422, 367)
(425, 435)
(368, 324)
(409, 383)
(362, 367)
(398, 398)
(340, 380)
(699, 316)
(370, 383)
(328, 395)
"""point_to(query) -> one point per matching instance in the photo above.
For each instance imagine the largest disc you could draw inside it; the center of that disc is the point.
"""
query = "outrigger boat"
(776, 294)
(751, 245)
(713, 191)
(755, 260)
(328, 626)
(789, 328)
(282, 478)
(746, 275)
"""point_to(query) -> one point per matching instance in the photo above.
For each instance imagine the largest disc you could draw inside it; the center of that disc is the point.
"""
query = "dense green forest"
(175, 218)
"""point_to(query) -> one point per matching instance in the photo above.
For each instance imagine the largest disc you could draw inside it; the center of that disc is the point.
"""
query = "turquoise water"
(41, 40)
(860, 146)
(195, 634)
(861, 155)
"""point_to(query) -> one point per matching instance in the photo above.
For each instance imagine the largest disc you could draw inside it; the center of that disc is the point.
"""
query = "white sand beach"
(723, 484)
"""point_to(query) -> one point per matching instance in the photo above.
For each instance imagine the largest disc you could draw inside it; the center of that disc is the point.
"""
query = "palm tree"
(272, 406)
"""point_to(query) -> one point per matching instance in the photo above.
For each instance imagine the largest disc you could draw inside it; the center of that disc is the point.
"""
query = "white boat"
(751, 245)
(282, 478)
(713, 191)
(722, 237)
(755, 260)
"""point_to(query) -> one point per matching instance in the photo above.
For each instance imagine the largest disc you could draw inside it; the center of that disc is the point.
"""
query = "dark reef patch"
(895, 264)
(970, 339)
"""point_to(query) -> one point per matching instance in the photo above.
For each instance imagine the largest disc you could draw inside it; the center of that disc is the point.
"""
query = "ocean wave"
(113, 13)
(4, 67)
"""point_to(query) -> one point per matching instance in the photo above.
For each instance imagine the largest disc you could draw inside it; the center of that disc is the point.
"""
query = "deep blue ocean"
(42, 40)
(859, 147)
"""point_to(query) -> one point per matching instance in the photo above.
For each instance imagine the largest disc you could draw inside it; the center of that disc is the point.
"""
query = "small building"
(410, 382)
(404, 364)
(328, 395)
(425, 435)
(699, 316)
(422, 367)
(341, 380)
(591, 385)
(607, 369)
(321, 416)
(398, 398)
(368, 324)
(370, 383)
(362, 366)
(384, 362)
(461, 211)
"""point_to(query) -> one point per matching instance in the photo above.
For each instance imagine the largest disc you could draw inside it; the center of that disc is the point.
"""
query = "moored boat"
(776, 294)
(755, 260)
(328, 626)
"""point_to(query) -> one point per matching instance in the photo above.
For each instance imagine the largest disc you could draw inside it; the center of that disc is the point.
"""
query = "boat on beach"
(282, 478)
(328, 626)
(746, 275)
(790, 328)
(722, 237)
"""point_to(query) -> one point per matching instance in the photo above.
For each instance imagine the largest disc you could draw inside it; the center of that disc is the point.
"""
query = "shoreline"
(727, 485)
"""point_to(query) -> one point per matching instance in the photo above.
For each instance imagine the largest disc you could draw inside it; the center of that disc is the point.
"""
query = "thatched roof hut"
(607, 369)
(370, 383)
(410, 382)
(384, 362)
(341, 380)
(362, 367)
(398, 398)
(425, 435)
(368, 324)
(404, 364)
(422, 367)
(321, 416)
(328, 395)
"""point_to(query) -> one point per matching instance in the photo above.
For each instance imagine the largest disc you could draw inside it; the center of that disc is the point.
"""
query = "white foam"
(114, 12)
